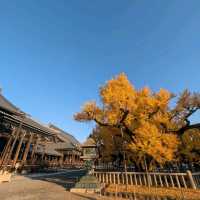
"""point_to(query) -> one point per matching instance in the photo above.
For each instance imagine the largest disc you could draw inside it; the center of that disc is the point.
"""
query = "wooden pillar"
(43, 153)
(71, 157)
(27, 148)
(18, 149)
(34, 149)
(6, 149)
(7, 158)
(62, 160)
(74, 158)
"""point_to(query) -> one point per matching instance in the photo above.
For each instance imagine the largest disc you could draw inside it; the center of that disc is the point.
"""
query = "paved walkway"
(42, 187)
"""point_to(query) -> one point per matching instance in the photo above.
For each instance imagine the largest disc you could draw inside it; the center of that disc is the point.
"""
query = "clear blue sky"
(54, 55)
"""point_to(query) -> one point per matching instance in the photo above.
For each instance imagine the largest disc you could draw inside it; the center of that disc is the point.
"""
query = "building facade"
(27, 143)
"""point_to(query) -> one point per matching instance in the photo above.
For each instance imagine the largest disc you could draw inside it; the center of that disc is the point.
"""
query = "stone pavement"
(42, 187)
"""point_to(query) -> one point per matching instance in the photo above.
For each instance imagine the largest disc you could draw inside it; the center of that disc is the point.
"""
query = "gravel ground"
(47, 187)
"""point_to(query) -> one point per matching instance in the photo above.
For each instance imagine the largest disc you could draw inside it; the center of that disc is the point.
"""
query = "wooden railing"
(196, 177)
(153, 179)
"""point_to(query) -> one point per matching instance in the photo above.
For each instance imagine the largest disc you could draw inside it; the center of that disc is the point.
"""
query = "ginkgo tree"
(149, 128)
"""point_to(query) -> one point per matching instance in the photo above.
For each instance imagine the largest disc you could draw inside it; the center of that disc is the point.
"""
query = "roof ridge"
(14, 107)
(64, 133)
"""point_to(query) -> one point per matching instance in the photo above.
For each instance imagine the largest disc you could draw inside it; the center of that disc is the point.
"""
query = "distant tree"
(190, 148)
(151, 130)
(188, 103)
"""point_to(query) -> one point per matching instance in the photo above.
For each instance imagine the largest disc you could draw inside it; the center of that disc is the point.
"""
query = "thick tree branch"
(101, 123)
(124, 116)
(120, 124)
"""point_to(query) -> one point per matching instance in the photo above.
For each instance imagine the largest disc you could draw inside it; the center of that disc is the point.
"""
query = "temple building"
(27, 143)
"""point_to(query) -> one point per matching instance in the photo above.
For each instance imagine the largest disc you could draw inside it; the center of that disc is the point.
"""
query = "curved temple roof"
(8, 106)
(89, 143)
(12, 113)
(64, 135)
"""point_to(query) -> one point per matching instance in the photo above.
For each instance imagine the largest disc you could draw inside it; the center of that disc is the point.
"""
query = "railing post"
(140, 181)
(172, 182)
(192, 183)
(131, 179)
(99, 177)
(122, 178)
(118, 179)
(184, 183)
(107, 178)
(160, 180)
(155, 179)
(103, 178)
(166, 181)
(144, 177)
(135, 179)
(177, 181)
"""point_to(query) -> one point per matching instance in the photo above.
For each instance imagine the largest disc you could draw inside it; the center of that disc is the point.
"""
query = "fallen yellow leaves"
(189, 194)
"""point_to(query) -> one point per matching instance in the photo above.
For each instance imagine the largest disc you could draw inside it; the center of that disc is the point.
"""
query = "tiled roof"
(8, 106)
(38, 125)
(19, 115)
(54, 148)
(49, 150)
(66, 137)
(89, 143)
(62, 146)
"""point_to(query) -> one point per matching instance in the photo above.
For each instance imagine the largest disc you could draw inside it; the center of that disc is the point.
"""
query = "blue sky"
(54, 55)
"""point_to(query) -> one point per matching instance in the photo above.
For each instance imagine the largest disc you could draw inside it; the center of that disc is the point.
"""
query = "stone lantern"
(90, 155)
(88, 183)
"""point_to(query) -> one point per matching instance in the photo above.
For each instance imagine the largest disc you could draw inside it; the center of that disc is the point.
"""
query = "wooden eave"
(16, 120)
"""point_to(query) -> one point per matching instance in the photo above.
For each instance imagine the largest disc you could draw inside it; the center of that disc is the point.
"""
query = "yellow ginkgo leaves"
(150, 128)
